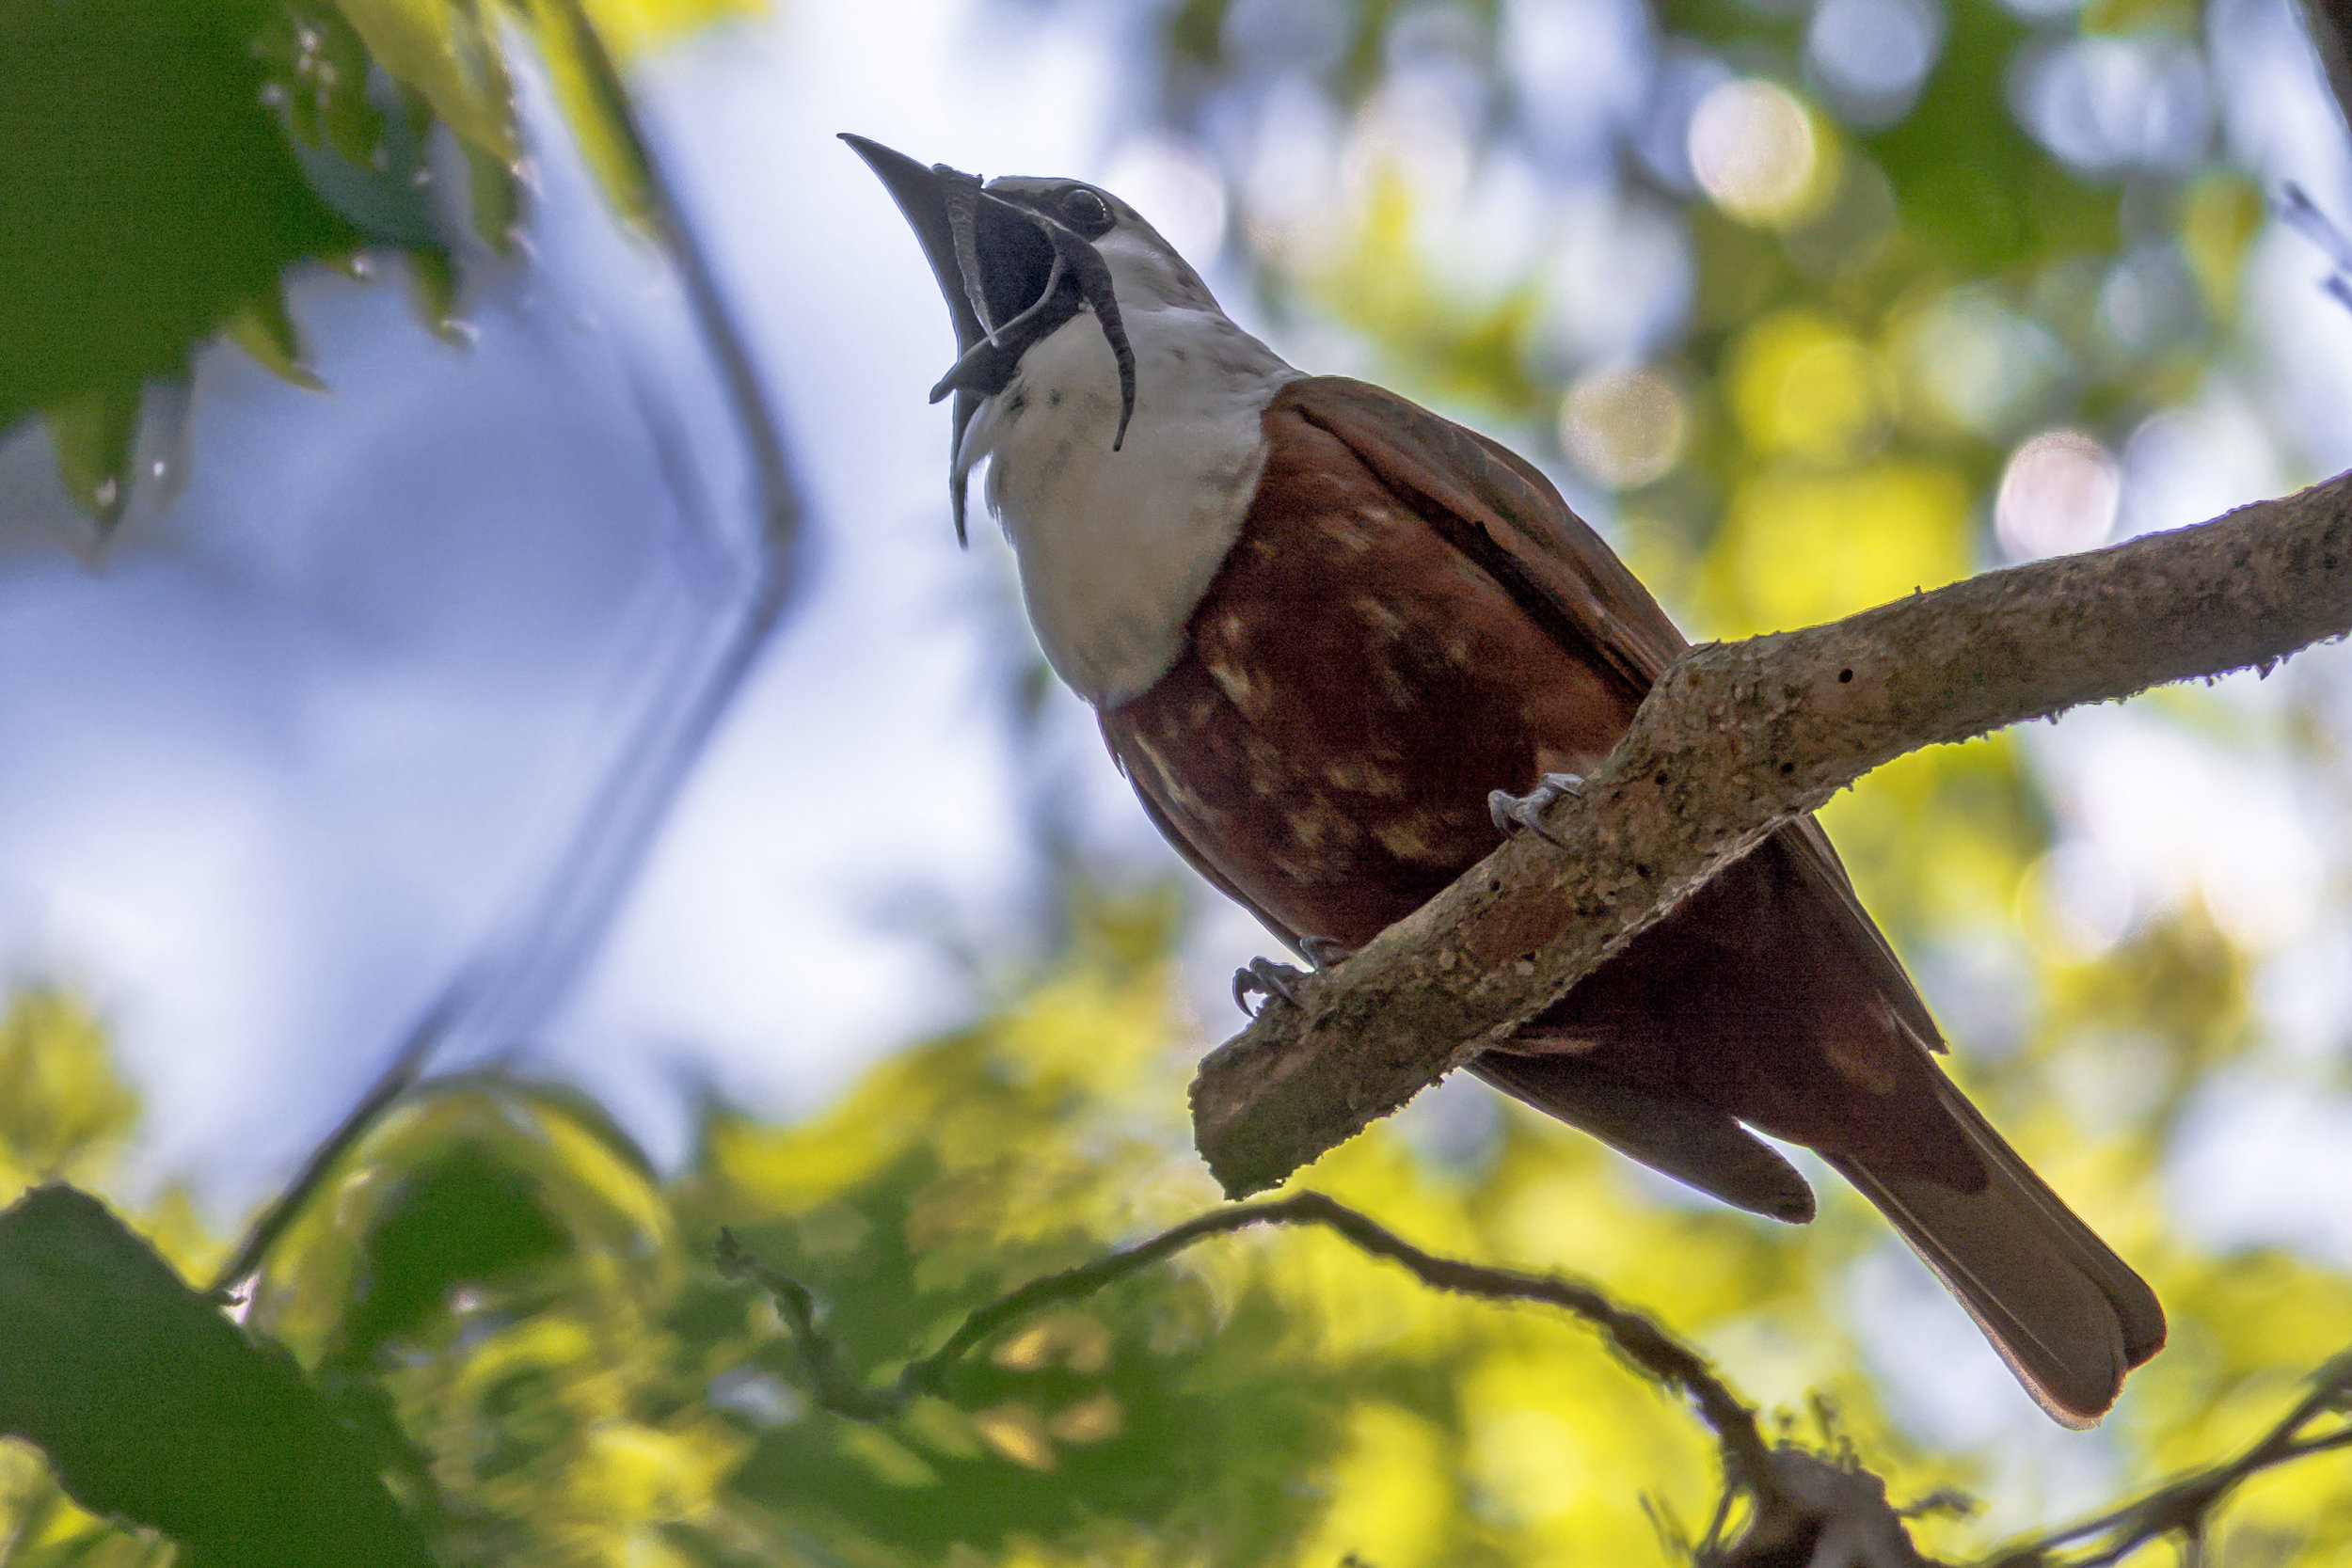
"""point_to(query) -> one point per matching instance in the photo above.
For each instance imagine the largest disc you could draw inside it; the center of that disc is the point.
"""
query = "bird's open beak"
(1011, 276)
(921, 192)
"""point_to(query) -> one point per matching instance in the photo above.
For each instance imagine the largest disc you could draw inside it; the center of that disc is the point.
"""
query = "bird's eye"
(1088, 212)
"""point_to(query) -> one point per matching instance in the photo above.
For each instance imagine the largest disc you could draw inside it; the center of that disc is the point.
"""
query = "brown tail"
(2068, 1315)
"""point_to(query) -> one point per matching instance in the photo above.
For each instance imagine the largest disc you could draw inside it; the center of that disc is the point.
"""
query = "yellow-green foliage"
(64, 1111)
(529, 1318)
(523, 1313)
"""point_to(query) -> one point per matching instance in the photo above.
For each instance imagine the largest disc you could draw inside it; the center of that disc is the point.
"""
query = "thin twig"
(2296, 206)
(508, 985)
(2184, 1507)
(395, 1080)
(1638, 1340)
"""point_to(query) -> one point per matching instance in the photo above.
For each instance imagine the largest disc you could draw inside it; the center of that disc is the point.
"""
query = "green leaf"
(467, 1219)
(265, 329)
(581, 69)
(319, 70)
(496, 195)
(152, 1406)
(163, 164)
(433, 293)
(447, 53)
(148, 191)
(93, 432)
(383, 197)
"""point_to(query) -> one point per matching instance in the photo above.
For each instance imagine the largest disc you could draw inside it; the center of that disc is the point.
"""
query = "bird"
(1341, 645)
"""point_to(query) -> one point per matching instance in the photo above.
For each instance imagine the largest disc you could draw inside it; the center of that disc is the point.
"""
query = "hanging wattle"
(1321, 625)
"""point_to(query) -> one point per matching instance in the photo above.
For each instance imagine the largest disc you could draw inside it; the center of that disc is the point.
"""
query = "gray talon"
(1511, 812)
(1267, 977)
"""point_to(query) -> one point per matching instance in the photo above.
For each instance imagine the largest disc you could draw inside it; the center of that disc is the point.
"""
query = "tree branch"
(1735, 741)
(1640, 1341)
(2185, 1507)
(1803, 1500)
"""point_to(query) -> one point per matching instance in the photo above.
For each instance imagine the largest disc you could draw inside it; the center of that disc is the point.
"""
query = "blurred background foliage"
(1874, 293)
(166, 165)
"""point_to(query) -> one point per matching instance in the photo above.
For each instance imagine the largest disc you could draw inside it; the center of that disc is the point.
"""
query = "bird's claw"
(1513, 812)
(1267, 978)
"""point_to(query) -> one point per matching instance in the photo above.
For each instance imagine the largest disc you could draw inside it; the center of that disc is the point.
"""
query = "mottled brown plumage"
(1321, 623)
(1355, 684)
(1411, 618)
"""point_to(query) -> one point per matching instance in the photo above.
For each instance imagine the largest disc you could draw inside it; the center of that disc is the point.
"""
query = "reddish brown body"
(1354, 686)
(1407, 618)
(1411, 618)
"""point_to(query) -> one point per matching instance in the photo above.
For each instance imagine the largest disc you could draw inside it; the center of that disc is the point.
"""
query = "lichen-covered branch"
(1738, 739)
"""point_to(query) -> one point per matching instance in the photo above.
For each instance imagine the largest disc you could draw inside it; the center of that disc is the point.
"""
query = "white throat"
(1116, 548)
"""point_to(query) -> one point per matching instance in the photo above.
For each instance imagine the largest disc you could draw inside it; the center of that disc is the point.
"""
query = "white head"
(1116, 405)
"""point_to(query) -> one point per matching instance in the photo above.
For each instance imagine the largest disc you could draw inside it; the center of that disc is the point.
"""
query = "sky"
(306, 737)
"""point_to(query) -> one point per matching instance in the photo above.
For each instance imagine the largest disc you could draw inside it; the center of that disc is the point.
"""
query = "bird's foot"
(1511, 812)
(1267, 978)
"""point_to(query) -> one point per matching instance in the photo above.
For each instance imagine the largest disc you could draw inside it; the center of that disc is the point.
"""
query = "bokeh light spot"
(1619, 282)
(1870, 56)
(1625, 427)
(1977, 364)
(1017, 1434)
(1093, 1419)
(1389, 1492)
(2076, 895)
(2059, 494)
(2106, 104)
(1803, 386)
(1753, 151)
(1807, 547)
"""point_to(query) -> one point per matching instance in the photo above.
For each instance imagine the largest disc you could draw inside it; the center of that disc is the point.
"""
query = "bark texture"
(1736, 740)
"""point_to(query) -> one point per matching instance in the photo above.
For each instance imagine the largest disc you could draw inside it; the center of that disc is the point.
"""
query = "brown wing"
(1776, 954)
(1503, 512)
